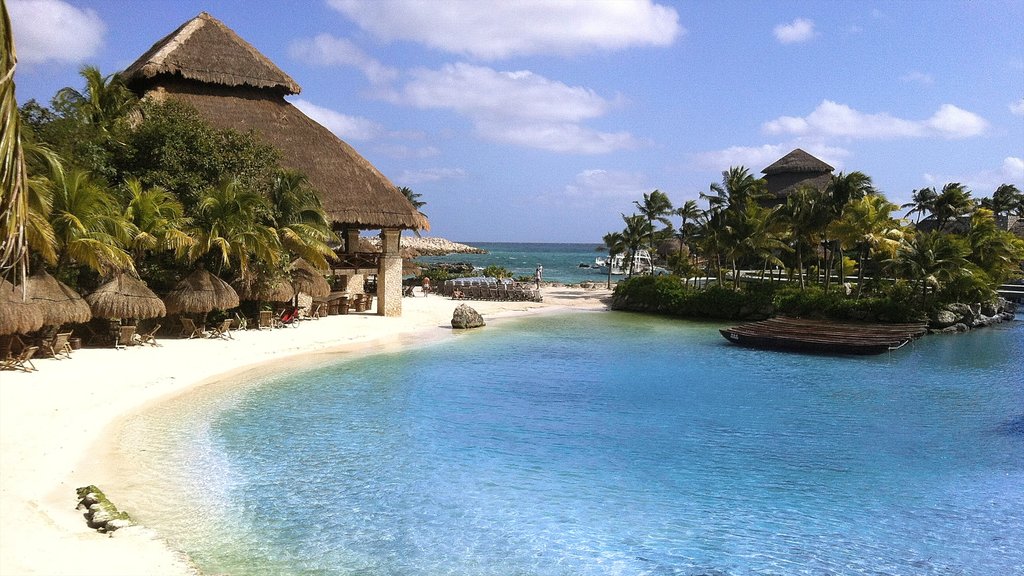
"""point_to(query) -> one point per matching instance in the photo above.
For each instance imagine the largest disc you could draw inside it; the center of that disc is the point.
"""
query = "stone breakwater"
(963, 317)
(432, 246)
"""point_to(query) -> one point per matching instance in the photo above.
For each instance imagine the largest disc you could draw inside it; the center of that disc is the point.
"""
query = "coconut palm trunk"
(14, 210)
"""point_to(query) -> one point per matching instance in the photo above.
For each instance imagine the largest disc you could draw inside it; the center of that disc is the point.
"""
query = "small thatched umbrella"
(58, 303)
(279, 290)
(17, 315)
(200, 292)
(125, 297)
(306, 278)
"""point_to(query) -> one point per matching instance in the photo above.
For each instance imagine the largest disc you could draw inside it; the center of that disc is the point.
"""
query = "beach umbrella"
(306, 278)
(277, 290)
(57, 302)
(200, 292)
(18, 315)
(125, 297)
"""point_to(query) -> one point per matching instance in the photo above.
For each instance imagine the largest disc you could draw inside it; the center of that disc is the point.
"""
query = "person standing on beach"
(539, 275)
(426, 285)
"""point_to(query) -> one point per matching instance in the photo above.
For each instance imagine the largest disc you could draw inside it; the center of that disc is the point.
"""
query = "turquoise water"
(561, 261)
(599, 443)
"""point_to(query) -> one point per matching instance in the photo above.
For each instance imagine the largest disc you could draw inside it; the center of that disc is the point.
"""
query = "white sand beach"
(55, 423)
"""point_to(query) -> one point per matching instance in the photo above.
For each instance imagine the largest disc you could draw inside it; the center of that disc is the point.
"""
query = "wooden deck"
(823, 336)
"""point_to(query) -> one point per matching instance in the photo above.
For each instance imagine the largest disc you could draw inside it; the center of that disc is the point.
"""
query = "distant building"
(232, 85)
(793, 171)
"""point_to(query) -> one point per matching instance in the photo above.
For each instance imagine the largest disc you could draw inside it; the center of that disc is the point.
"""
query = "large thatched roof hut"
(207, 65)
(57, 302)
(125, 296)
(307, 279)
(200, 292)
(795, 170)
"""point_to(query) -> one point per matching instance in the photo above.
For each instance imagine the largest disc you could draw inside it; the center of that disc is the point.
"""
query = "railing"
(357, 261)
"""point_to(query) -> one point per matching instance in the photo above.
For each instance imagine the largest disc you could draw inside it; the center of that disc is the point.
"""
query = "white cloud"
(983, 183)
(607, 184)
(519, 108)
(53, 30)
(918, 77)
(344, 126)
(410, 177)
(494, 30)
(799, 30)
(327, 50)
(757, 158)
(1017, 108)
(1013, 169)
(831, 119)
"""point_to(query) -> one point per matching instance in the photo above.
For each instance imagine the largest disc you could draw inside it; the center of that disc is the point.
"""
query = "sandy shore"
(54, 423)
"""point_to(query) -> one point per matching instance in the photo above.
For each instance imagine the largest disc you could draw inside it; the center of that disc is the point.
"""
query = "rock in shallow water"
(466, 317)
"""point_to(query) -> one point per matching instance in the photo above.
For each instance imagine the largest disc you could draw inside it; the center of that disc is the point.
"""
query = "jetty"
(824, 336)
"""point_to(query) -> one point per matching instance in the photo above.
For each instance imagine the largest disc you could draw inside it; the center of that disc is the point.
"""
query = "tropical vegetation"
(838, 250)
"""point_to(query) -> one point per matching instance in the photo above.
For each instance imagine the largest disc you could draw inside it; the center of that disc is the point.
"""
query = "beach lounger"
(266, 319)
(317, 311)
(58, 346)
(189, 329)
(148, 337)
(223, 330)
(125, 337)
(22, 361)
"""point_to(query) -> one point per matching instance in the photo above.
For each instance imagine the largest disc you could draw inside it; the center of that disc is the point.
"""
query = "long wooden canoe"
(823, 336)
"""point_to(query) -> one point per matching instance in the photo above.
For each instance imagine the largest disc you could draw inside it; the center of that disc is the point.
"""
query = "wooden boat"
(824, 336)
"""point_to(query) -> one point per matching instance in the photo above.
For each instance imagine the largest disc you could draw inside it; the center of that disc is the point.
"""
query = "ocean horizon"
(597, 443)
(561, 261)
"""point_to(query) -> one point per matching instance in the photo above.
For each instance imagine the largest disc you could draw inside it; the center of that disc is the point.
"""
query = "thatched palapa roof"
(200, 292)
(205, 50)
(797, 161)
(18, 315)
(233, 86)
(57, 302)
(125, 297)
(306, 278)
(274, 290)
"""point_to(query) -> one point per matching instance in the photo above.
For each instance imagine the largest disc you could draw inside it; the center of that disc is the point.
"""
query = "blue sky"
(543, 120)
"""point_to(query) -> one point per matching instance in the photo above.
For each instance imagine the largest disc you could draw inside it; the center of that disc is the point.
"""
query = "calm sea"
(561, 261)
(596, 444)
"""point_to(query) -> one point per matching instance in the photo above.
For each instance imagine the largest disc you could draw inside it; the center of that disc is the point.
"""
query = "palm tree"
(841, 190)
(299, 219)
(106, 98)
(930, 259)
(688, 214)
(738, 187)
(637, 229)
(655, 208)
(998, 253)
(805, 213)
(1007, 199)
(413, 198)
(14, 208)
(922, 201)
(615, 243)
(229, 226)
(867, 226)
(158, 219)
(953, 202)
(87, 223)
(761, 237)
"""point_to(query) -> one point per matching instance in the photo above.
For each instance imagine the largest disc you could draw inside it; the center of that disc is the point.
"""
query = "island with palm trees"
(805, 242)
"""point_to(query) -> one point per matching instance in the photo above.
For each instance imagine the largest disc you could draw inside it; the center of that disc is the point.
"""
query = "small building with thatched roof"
(793, 171)
(233, 86)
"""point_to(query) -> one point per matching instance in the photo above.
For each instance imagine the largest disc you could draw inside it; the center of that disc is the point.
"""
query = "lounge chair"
(125, 337)
(288, 316)
(58, 346)
(266, 319)
(316, 311)
(223, 330)
(148, 337)
(23, 361)
(189, 329)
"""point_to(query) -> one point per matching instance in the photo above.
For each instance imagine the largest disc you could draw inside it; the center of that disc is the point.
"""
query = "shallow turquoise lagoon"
(599, 443)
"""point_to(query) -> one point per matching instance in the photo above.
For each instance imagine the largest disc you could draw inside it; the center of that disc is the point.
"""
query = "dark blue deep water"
(600, 443)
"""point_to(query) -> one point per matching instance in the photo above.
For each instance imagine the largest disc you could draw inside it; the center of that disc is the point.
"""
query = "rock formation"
(466, 317)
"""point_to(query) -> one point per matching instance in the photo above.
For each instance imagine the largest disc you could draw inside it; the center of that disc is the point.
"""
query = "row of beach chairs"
(504, 292)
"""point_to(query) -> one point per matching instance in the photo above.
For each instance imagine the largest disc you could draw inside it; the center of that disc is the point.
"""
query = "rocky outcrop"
(959, 317)
(99, 512)
(466, 317)
(431, 246)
